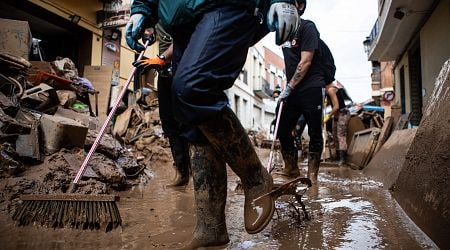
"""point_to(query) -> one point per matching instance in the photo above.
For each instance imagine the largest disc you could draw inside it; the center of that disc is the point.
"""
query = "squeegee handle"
(269, 162)
(108, 119)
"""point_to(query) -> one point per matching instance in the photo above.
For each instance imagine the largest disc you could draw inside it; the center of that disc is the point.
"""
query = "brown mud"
(347, 210)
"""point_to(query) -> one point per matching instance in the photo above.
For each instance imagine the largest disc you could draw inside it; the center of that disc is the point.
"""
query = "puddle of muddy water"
(347, 212)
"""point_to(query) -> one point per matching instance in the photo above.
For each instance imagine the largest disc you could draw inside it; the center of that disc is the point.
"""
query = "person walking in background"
(337, 96)
(303, 95)
(210, 46)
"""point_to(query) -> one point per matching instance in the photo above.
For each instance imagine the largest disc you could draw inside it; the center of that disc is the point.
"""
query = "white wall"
(435, 46)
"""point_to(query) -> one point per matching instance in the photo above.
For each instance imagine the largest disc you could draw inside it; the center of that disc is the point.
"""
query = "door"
(415, 81)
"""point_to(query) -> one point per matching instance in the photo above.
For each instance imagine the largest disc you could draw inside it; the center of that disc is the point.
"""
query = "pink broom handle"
(108, 119)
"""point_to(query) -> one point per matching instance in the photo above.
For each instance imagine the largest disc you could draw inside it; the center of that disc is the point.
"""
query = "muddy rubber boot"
(290, 158)
(227, 136)
(209, 176)
(180, 153)
(313, 166)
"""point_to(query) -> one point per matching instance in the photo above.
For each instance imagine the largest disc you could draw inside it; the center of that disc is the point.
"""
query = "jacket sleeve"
(148, 8)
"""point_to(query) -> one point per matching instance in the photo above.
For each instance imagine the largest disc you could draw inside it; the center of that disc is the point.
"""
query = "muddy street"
(348, 211)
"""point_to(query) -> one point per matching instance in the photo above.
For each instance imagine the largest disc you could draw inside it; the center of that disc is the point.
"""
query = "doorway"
(415, 81)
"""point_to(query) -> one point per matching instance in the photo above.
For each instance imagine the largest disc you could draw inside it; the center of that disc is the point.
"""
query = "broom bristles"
(69, 210)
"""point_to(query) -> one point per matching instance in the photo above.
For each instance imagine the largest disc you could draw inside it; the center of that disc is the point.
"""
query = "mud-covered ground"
(347, 211)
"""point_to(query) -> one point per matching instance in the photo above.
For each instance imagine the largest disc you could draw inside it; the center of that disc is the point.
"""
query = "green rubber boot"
(313, 166)
(210, 190)
(227, 136)
(180, 153)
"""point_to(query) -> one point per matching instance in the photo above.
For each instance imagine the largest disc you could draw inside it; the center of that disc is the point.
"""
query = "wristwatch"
(163, 57)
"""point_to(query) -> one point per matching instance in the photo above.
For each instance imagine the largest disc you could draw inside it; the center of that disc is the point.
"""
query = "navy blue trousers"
(169, 125)
(208, 57)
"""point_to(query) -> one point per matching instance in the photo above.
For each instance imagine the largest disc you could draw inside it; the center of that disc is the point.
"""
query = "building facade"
(414, 37)
(251, 95)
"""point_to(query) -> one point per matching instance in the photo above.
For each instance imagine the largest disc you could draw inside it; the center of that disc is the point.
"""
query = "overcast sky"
(343, 25)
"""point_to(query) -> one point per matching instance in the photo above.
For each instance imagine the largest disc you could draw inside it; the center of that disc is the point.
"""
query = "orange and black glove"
(158, 63)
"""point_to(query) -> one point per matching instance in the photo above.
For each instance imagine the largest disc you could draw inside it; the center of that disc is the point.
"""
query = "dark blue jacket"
(177, 12)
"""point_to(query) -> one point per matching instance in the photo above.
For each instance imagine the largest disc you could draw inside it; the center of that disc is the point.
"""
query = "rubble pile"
(139, 129)
(47, 126)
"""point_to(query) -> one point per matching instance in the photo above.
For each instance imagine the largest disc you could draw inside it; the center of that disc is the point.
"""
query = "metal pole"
(269, 163)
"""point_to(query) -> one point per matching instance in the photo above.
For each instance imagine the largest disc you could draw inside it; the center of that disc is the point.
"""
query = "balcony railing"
(368, 43)
(265, 91)
(375, 30)
(376, 77)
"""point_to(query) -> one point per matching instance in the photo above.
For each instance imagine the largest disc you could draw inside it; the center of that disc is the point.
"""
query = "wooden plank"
(403, 122)
(100, 77)
(385, 132)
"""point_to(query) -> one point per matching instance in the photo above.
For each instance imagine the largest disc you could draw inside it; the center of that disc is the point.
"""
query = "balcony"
(376, 77)
(265, 92)
(398, 23)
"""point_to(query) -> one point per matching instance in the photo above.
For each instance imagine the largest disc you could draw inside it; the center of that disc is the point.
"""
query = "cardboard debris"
(384, 133)
(15, 37)
(100, 77)
(121, 123)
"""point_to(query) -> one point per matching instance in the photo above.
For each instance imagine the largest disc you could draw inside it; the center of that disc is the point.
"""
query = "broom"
(80, 211)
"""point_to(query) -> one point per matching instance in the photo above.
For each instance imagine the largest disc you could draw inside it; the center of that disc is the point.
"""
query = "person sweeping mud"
(303, 95)
(210, 45)
(179, 146)
(337, 95)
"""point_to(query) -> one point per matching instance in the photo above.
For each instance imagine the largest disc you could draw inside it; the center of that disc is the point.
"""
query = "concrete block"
(61, 132)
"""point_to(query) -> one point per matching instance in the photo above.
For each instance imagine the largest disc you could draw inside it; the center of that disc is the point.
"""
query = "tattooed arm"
(302, 68)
